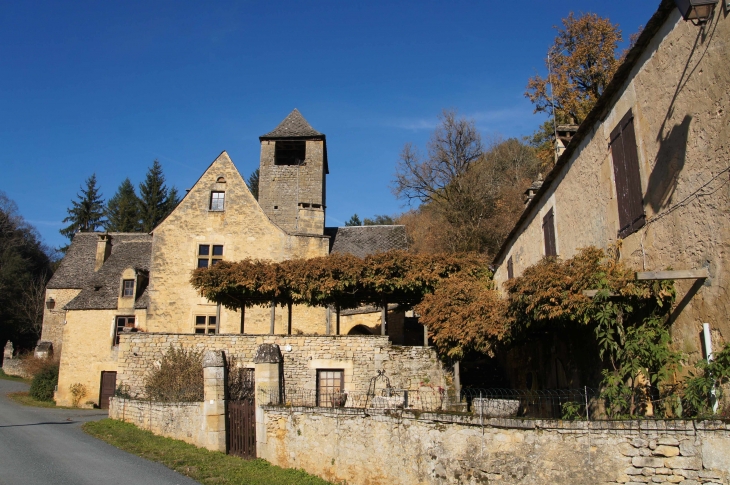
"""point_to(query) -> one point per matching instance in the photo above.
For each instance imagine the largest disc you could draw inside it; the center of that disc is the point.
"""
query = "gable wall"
(680, 96)
(245, 232)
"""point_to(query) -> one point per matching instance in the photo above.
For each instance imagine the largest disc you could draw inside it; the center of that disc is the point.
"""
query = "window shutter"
(625, 156)
(548, 230)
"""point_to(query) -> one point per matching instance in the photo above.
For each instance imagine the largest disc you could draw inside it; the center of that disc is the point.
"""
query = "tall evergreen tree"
(87, 213)
(156, 201)
(253, 183)
(122, 210)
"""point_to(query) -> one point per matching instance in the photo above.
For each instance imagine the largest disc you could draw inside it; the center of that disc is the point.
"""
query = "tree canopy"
(156, 200)
(339, 280)
(470, 196)
(123, 210)
(25, 268)
(582, 60)
(87, 213)
(253, 183)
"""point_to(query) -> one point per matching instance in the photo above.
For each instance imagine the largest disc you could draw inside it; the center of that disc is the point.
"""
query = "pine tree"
(156, 201)
(253, 184)
(354, 221)
(86, 214)
(123, 211)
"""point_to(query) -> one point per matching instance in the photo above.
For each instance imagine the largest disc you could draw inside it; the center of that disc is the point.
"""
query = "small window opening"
(290, 152)
(128, 288)
(217, 200)
(206, 258)
(221, 180)
(124, 324)
(276, 207)
(205, 324)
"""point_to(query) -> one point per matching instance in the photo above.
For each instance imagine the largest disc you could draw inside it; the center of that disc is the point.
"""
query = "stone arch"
(360, 330)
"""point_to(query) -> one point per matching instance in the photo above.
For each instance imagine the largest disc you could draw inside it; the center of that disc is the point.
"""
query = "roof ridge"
(293, 126)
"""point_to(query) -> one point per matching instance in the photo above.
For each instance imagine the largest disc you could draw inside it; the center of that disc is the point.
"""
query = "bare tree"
(453, 147)
(31, 304)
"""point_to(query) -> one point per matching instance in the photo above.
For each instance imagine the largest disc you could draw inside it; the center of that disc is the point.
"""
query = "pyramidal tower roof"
(293, 126)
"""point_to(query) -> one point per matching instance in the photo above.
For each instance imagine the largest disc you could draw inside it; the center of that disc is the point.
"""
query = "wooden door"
(108, 386)
(241, 413)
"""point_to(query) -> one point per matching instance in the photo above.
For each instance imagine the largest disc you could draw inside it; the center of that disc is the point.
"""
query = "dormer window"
(128, 288)
(290, 152)
(217, 201)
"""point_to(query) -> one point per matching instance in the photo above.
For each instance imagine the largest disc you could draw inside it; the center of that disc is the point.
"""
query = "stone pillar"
(8, 352)
(214, 406)
(267, 361)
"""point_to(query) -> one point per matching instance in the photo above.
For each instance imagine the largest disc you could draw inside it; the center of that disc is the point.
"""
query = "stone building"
(112, 283)
(648, 171)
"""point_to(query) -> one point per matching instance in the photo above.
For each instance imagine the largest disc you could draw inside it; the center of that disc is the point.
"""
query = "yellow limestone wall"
(88, 350)
(54, 318)
(245, 232)
(679, 93)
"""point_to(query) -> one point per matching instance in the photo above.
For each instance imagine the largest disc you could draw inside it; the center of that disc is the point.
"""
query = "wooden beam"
(687, 274)
(593, 293)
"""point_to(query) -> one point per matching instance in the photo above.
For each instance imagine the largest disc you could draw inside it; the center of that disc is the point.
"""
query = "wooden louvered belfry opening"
(624, 152)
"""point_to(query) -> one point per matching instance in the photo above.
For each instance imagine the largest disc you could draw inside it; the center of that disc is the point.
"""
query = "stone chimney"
(565, 134)
(103, 250)
(532, 189)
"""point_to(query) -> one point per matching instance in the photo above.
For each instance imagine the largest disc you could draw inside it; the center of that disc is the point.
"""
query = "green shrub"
(44, 383)
(697, 398)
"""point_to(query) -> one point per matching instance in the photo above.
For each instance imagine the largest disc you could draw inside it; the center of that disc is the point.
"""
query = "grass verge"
(197, 463)
(3, 375)
(25, 399)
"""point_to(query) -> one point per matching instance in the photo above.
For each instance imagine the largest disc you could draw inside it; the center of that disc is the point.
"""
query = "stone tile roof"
(293, 126)
(363, 240)
(77, 266)
(101, 289)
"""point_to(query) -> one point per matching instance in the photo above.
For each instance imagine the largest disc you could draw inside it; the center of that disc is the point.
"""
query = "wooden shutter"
(628, 179)
(548, 230)
(510, 268)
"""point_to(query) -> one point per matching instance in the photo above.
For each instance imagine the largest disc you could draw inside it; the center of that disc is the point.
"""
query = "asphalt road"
(47, 447)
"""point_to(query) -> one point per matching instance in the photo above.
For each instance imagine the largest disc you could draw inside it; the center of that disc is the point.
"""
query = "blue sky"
(107, 87)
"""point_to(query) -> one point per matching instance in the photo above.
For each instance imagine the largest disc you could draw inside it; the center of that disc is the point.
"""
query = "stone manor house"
(113, 283)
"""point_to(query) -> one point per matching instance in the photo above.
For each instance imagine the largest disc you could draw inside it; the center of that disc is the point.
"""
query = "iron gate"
(241, 413)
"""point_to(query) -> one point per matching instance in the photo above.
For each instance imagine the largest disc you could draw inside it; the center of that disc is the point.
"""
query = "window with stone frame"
(330, 387)
(209, 255)
(127, 288)
(205, 324)
(217, 200)
(123, 324)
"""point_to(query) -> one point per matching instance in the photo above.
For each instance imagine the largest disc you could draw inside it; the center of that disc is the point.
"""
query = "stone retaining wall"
(383, 447)
(359, 356)
(181, 421)
(16, 367)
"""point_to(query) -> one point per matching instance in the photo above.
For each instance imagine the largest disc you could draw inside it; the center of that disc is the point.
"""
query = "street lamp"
(698, 11)
(50, 303)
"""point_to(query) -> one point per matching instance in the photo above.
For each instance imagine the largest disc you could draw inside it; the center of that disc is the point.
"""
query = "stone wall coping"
(147, 402)
(636, 425)
(265, 335)
(213, 358)
(267, 354)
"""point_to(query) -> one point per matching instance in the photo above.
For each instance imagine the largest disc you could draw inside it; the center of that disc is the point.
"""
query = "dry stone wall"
(385, 447)
(359, 356)
(180, 421)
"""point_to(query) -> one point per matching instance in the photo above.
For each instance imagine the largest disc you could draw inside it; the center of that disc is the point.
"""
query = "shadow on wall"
(669, 164)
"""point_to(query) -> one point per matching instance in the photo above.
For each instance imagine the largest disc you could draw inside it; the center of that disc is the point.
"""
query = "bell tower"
(292, 175)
